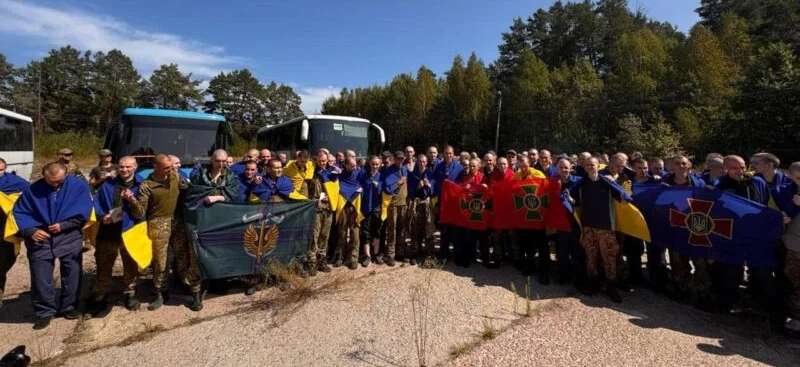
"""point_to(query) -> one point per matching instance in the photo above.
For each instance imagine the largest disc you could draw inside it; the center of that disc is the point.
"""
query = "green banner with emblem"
(233, 239)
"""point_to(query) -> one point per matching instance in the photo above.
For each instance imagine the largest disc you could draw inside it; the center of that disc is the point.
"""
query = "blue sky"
(317, 47)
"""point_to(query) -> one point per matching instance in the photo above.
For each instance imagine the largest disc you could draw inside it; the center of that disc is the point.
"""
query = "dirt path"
(366, 318)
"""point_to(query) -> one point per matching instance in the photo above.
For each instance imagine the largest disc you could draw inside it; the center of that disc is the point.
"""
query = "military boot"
(131, 302)
(197, 302)
(322, 265)
(161, 297)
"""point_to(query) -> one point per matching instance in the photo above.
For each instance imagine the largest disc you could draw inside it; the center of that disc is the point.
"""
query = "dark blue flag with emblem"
(234, 239)
(704, 223)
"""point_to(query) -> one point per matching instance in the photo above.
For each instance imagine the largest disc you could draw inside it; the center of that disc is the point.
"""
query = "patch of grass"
(84, 145)
(421, 295)
(297, 291)
(488, 332)
(150, 331)
(461, 349)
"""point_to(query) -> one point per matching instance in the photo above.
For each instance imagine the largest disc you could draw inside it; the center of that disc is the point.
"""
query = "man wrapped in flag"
(531, 241)
(114, 216)
(348, 213)
(50, 216)
(570, 257)
(447, 169)
(468, 239)
(300, 172)
(324, 188)
(604, 209)
(393, 199)
(369, 180)
(252, 189)
(420, 192)
(11, 187)
(753, 188)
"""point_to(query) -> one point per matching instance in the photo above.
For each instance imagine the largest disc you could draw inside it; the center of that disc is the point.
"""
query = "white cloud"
(86, 31)
(312, 97)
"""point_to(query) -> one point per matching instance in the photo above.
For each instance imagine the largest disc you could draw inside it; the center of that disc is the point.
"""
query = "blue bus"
(145, 132)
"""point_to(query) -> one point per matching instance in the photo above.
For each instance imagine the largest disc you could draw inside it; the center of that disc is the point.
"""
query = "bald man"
(738, 182)
(109, 207)
(156, 203)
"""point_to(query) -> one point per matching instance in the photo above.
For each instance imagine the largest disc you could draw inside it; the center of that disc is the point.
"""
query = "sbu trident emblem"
(700, 224)
(532, 204)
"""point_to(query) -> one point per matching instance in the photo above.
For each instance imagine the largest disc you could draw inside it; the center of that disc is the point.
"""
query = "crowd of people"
(396, 219)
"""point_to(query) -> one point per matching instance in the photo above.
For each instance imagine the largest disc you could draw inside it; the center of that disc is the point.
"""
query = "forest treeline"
(598, 76)
(589, 75)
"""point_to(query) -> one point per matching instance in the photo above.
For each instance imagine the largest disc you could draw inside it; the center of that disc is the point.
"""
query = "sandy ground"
(366, 318)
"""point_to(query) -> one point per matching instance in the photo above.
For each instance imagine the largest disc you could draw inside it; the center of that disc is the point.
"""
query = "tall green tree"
(60, 86)
(169, 88)
(769, 104)
(524, 123)
(6, 83)
(115, 84)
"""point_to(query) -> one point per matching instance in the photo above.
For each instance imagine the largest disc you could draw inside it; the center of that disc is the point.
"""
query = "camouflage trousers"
(185, 257)
(698, 282)
(792, 272)
(421, 227)
(321, 232)
(600, 245)
(105, 255)
(348, 229)
(159, 230)
(394, 230)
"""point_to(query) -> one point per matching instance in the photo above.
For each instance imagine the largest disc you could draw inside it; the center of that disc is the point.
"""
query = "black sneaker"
(42, 323)
(365, 262)
(412, 261)
(72, 314)
(613, 294)
(390, 262)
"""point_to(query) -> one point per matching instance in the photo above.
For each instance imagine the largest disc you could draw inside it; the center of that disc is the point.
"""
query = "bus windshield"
(148, 135)
(339, 135)
(15, 135)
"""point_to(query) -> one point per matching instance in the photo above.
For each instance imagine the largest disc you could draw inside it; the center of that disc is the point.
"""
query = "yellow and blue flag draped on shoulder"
(349, 192)
(11, 187)
(390, 179)
(329, 179)
(35, 209)
(297, 177)
(134, 231)
(626, 218)
(252, 192)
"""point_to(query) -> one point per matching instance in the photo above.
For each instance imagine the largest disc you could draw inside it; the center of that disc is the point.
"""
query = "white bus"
(16, 142)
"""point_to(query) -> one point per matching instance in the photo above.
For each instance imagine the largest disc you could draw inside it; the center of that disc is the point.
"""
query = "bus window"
(339, 135)
(15, 135)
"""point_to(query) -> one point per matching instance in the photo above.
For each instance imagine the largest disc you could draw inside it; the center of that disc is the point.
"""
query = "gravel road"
(365, 318)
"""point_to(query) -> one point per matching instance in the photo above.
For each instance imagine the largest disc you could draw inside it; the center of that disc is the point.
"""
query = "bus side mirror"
(381, 133)
(304, 131)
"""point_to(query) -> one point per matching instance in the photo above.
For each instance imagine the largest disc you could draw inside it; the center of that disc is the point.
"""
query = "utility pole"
(39, 99)
(497, 129)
